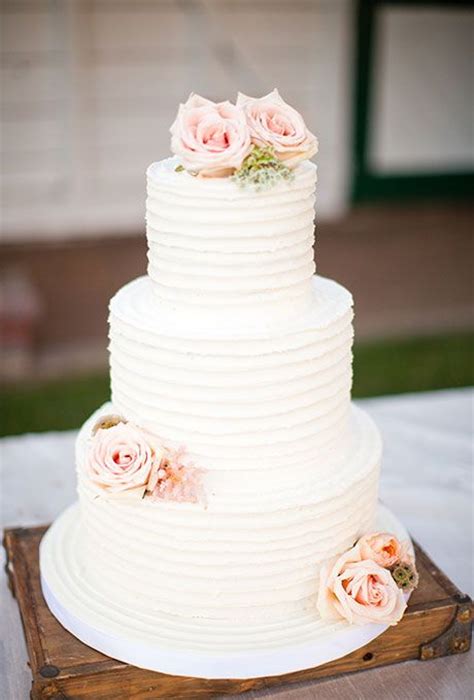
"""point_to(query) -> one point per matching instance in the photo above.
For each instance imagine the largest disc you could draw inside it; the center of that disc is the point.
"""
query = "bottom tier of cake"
(253, 559)
(188, 647)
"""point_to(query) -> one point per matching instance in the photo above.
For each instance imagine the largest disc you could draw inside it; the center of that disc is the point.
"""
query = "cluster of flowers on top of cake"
(369, 582)
(125, 460)
(258, 141)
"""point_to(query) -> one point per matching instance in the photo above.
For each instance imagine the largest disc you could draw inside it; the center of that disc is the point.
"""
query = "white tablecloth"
(426, 481)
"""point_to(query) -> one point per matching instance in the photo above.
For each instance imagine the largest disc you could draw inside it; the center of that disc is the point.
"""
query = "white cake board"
(293, 645)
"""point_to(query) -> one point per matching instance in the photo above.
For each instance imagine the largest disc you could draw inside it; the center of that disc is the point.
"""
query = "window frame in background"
(368, 185)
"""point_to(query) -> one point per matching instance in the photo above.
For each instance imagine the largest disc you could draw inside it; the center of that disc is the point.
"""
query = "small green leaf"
(179, 169)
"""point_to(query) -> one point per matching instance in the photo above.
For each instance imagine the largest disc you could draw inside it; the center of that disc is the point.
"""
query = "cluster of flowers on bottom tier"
(368, 583)
(125, 460)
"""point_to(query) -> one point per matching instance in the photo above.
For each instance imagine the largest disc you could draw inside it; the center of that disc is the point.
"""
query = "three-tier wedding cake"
(230, 470)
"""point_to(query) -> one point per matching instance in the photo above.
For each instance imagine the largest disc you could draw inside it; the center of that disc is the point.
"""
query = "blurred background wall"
(90, 87)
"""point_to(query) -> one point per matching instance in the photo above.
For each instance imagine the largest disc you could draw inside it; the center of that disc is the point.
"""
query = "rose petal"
(210, 138)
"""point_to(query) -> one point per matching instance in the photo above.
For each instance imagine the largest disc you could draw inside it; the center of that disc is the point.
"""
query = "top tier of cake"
(229, 252)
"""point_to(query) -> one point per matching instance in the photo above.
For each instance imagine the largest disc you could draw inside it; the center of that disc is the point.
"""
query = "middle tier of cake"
(275, 398)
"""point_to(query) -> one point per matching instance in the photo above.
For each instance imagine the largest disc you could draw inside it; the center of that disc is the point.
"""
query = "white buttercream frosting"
(232, 348)
(229, 252)
(254, 550)
(186, 645)
(268, 397)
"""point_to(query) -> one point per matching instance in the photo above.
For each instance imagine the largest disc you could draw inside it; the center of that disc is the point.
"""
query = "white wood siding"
(89, 89)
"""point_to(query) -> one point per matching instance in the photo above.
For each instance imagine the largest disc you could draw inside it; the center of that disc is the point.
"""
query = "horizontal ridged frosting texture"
(268, 398)
(255, 561)
(230, 251)
(232, 348)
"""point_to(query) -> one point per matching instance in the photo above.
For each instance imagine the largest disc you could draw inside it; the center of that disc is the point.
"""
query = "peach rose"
(272, 122)
(210, 139)
(359, 590)
(381, 547)
(121, 458)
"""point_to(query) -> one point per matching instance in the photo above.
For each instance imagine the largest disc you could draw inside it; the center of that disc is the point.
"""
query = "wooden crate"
(437, 623)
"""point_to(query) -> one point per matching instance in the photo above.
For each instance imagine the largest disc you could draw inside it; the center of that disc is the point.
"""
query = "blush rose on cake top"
(257, 141)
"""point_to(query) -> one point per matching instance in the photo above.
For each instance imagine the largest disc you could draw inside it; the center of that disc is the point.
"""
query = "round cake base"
(196, 647)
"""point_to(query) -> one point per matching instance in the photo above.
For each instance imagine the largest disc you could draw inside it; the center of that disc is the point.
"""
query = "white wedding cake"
(230, 465)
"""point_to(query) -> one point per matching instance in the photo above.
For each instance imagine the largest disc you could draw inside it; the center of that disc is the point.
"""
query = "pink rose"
(381, 547)
(210, 139)
(359, 590)
(120, 458)
(272, 122)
